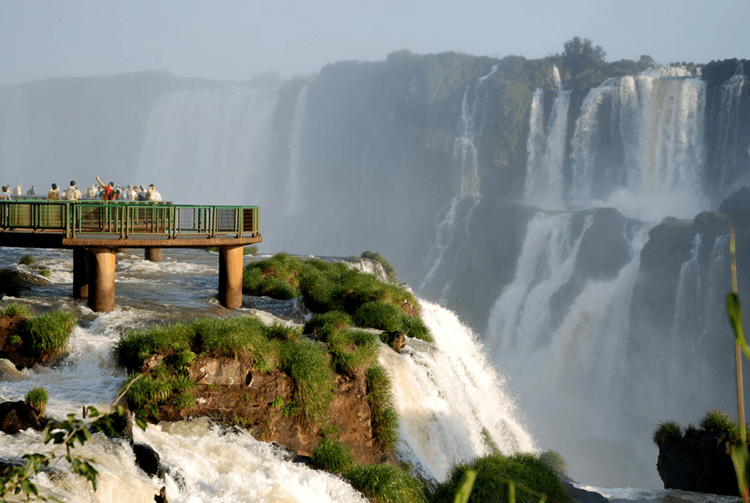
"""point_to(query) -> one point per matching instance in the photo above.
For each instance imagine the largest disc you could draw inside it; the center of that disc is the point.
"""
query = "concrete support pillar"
(230, 276)
(153, 254)
(80, 273)
(101, 279)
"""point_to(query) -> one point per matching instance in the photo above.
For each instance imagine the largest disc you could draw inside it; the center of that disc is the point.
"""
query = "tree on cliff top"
(580, 55)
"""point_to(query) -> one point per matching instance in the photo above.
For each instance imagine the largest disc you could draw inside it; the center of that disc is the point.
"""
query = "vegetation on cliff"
(27, 340)
(334, 287)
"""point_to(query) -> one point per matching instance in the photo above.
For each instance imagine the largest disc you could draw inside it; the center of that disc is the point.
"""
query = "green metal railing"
(126, 219)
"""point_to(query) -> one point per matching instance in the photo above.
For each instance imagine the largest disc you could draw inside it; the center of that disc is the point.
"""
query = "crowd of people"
(108, 192)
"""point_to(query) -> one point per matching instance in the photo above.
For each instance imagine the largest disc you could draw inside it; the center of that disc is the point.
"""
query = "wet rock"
(148, 460)
(162, 496)
(9, 372)
(396, 340)
(17, 416)
(699, 462)
(738, 200)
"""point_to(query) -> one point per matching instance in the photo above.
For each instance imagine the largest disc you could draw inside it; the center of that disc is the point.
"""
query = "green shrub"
(15, 309)
(317, 291)
(333, 456)
(183, 401)
(415, 327)
(667, 433)
(159, 387)
(26, 260)
(379, 315)
(275, 277)
(386, 484)
(251, 250)
(353, 350)
(10, 283)
(307, 364)
(136, 345)
(37, 400)
(389, 270)
(718, 421)
(325, 324)
(49, 331)
(45, 272)
(554, 460)
(384, 417)
(526, 470)
(282, 332)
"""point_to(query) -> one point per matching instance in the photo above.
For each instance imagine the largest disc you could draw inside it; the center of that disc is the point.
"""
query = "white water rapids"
(452, 405)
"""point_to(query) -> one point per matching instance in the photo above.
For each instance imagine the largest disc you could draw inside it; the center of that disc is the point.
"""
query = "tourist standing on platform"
(153, 194)
(72, 193)
(54, 193)
(108, 191)
(5, 194)
(31, 191)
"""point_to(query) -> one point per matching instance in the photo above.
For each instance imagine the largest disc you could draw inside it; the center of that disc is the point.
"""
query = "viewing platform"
(95, 230)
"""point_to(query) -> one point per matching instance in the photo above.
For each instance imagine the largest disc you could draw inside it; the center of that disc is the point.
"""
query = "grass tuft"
(15, 309)
(525, 470)
(307, 364)
(49, 331)
(384, 417)
(26, 260)
(333, 456)
(386, 484)
(37, 400)
(667, 433)
(554, 460)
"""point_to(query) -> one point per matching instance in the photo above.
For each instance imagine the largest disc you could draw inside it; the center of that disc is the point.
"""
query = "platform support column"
(80, 274)
(230, 276)
(153, 254)
(101, 279)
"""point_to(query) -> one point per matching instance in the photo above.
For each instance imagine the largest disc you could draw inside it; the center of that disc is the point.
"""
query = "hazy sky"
(236, 39)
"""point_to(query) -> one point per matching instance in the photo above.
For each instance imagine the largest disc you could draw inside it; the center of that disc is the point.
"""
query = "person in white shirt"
(72, 193)
(5, 193)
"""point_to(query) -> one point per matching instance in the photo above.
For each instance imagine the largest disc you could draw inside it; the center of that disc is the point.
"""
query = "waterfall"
(688, 304)
(638, 146)
(294, 185)
(466, 161)
(568, 374)
(731, 160)
(546, 147)
(210, 146)
(452, 405)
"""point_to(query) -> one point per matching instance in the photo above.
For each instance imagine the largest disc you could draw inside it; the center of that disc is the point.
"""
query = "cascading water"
(546, 146)
(293, 194)
(465, 160)
(731, 160)
(567, 371)
(689, 309)
(210, 146)
(638, 146)
(451, 404)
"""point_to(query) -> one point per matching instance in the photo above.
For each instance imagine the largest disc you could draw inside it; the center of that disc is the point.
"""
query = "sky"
(237, 39)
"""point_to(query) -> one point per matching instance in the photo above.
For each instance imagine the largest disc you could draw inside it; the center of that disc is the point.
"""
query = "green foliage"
(26, 260)
(45, 272)
(333, 456)
(353, 350)
(718, 421)
(386, 484)
(384, 417)
(275, 277)
(183, 401)
(48, 331)
(10, 283)
(531, 476)
(158, 387)
(324, 324)
(580, 55)
(282, 332)
(251, 250)
(307, 364)
(667, 433)
(278, 403)
(136, 345)
(15, 309)
(379, 315)
(389, 269)
(37, 400)
(554, 460)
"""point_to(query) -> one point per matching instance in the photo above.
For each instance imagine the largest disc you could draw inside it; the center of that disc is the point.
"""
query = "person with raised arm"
(109, 193)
